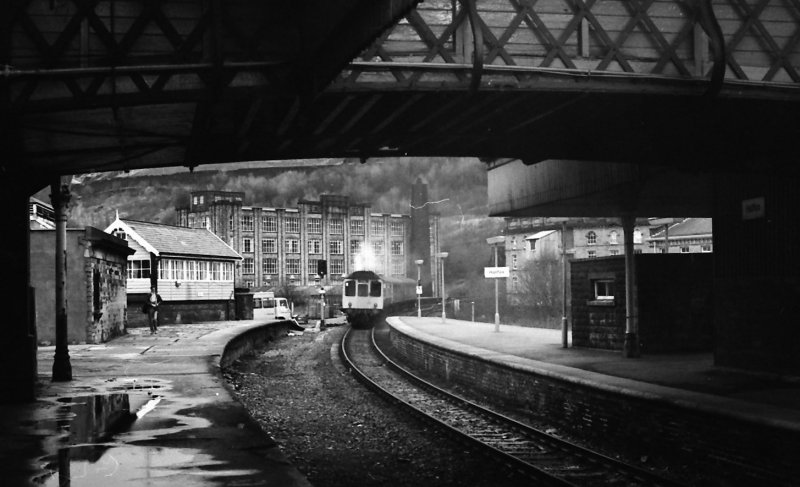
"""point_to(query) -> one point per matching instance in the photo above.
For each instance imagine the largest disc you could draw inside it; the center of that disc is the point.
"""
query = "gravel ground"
(338, 433)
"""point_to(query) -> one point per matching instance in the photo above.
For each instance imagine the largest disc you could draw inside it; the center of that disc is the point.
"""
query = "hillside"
(456, 187)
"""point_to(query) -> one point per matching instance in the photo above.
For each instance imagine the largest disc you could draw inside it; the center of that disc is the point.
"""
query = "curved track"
(532, 453)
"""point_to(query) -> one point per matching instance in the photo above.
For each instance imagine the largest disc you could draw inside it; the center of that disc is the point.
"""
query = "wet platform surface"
(688, 379)
(141, 410)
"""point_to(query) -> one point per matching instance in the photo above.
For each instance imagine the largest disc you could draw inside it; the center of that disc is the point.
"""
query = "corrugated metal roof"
(171, 240)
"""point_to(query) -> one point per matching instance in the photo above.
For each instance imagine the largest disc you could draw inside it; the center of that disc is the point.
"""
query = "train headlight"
(375, 305)
(350, 304)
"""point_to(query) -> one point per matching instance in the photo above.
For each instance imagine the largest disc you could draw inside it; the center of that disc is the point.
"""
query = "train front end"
(362, 298)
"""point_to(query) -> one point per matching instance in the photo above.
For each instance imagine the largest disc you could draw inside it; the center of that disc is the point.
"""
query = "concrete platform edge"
(689, 400)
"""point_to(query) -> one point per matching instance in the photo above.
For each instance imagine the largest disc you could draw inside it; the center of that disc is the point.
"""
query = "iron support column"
(60, 196)
(630, 347)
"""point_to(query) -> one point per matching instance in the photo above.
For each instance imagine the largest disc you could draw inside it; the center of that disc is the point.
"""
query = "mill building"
(283, 246)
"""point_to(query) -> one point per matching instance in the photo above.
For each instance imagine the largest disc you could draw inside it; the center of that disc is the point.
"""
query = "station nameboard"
(496, 272)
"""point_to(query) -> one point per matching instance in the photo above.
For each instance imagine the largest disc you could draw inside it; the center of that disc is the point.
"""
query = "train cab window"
(349, 288)
(375, 289)
(268, 303)
(363, 289)
(256, 303)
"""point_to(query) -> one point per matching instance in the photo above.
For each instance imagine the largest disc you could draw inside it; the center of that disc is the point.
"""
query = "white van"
(267, 306)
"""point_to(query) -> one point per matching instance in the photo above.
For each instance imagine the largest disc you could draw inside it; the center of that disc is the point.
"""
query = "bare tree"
(540, 289)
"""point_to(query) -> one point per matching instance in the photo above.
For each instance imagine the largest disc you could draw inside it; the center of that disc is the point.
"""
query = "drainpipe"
(630, 348)
(60, 196)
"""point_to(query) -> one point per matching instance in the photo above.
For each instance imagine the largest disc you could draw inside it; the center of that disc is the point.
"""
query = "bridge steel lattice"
(105, 85)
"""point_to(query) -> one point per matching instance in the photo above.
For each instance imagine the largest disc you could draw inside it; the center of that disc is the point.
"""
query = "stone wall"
(106, 315)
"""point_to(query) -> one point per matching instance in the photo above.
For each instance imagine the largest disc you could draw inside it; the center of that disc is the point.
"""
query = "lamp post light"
(419, 262)
(443, 256)
(564, 277)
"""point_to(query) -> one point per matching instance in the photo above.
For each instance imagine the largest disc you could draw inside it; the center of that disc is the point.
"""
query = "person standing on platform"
(152, 309)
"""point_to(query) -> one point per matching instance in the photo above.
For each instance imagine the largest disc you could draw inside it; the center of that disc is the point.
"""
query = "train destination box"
(495, 272)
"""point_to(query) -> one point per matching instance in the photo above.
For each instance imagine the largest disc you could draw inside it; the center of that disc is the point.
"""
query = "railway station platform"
(736, 421)
(144, 410)
(682, 376)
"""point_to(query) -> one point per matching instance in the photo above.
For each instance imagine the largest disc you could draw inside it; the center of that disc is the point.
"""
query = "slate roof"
(182, 241)
(687, 228)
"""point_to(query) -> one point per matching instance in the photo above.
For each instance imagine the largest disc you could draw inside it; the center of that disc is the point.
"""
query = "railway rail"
(532, 453)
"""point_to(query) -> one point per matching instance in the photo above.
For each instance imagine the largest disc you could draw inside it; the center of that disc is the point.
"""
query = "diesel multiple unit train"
(367, 296)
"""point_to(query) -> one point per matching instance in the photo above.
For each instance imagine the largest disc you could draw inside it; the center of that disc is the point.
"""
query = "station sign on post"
(496, 272)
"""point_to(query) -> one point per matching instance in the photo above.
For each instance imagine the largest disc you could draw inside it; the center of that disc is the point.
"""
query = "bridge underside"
(681, 130)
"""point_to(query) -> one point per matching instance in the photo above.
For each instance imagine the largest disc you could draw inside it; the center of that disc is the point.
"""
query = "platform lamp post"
(419, 263)
(443, 256)
(495, 243)
(564, 321)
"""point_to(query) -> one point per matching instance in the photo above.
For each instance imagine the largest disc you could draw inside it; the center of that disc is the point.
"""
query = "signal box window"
(604, 289)
(350, 288)
(375, 289)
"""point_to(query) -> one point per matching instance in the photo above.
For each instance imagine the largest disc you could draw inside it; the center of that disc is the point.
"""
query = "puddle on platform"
(97, 465)
(83, 438)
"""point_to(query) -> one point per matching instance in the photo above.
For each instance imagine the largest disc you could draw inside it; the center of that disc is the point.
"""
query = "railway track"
(545, 459)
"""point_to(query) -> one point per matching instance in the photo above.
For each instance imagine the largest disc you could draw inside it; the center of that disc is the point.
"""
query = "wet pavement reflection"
(86, 441)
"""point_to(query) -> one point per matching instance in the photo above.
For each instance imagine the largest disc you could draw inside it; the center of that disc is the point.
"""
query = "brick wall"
(597, 324)
(749, 452)
(675, 302)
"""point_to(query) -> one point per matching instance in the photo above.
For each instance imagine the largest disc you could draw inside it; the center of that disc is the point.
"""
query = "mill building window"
(269, 265)
(268, 246)
(292, 246)
(336, 267)
(397, 227)
(397, 247)
(336, 247)
(247, 222)
(312, 267)
(357, 227)
(591, 238)
(293, 266)
(269, 223)
(398, 267)
(292, 224)
(337, 226)
(314, 225)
